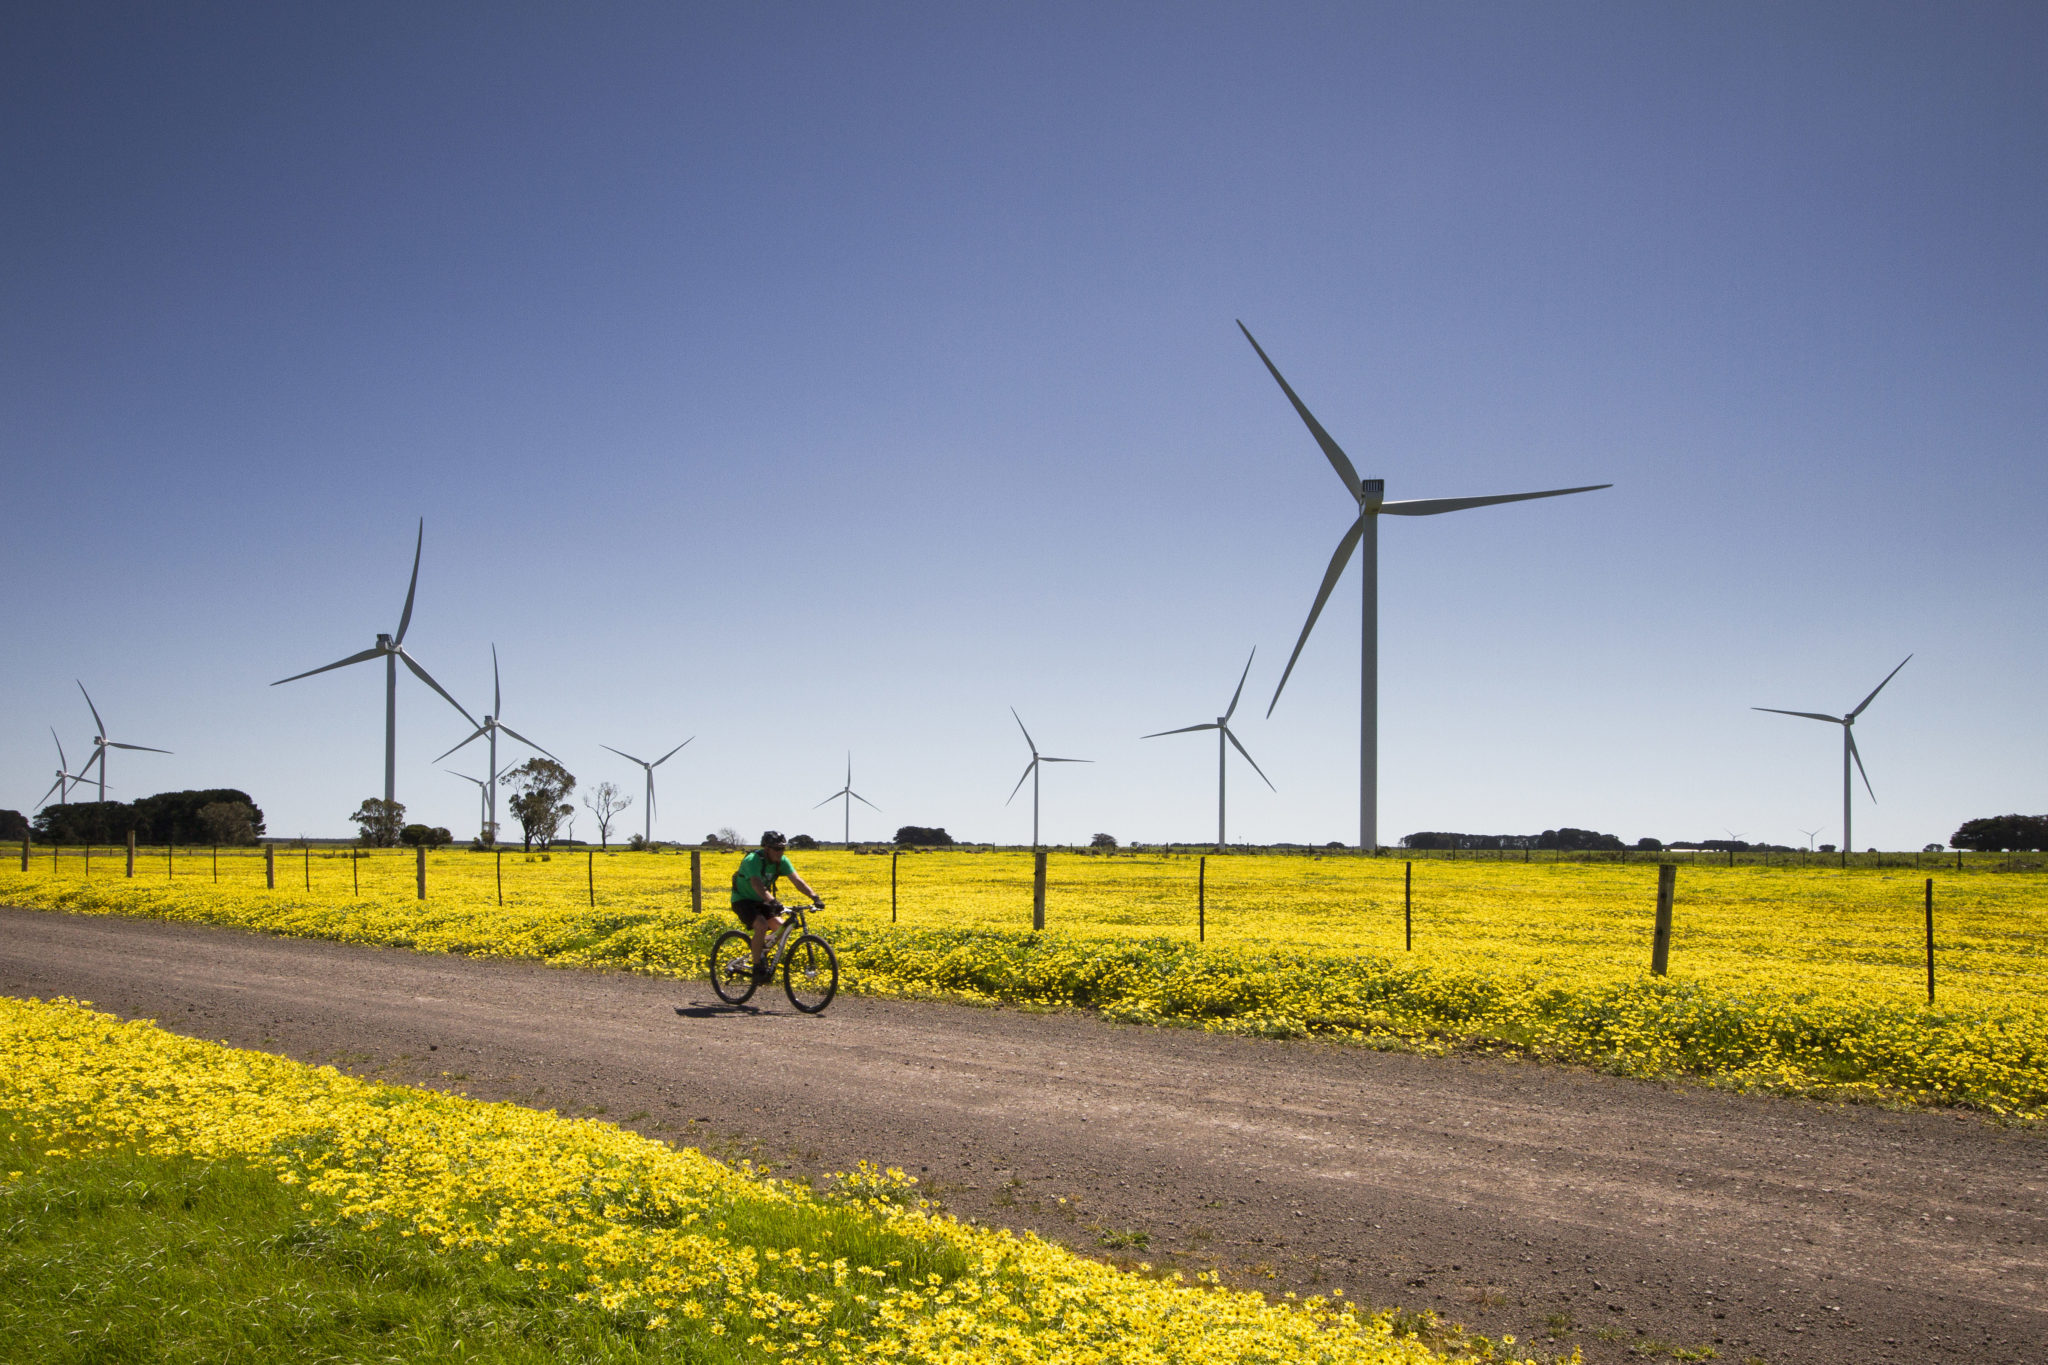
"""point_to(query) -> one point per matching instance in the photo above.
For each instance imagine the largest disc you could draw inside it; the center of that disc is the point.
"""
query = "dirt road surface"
(1568, 1208)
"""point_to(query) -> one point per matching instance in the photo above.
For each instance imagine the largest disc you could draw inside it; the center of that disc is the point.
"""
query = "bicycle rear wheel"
(732, 967)
(810, 974)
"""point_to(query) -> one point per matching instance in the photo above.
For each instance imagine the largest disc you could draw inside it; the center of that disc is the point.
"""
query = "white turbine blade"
(497, 693)
(1249, 759)
(363, 657)
(142, 747)
(1232, 710)
(1028, 740)
(94, 709)
(1330, 576)
(833, 797)
(1850, 735)
(475, 734)
(1339, 461)
(428, 679)
(1045, 759)
(1020, 781)
(405, 618)
(1809, 715)
(524, 740)
(1211, 725)
(864, 801)
(63, 763)
(465, 776)
(669, 755)
(623, 754)
(1429, 507)
(1879, 688)
(44, 799)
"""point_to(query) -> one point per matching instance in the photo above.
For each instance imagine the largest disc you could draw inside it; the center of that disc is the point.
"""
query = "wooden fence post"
(24, 853)
(131, 852)
(590, 872)
(498, 866)
(892, 884)
(420, 868)
(1038, 889)
(216, 862)
(1202, 901)
(309, 867)
(696, 881)
(1660, 946)
(270, 866)
(170, 861)
(1930, 940)
(1408, 907)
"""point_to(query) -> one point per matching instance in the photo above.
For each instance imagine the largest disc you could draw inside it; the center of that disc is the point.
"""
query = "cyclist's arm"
(803, 886)
(763, 894)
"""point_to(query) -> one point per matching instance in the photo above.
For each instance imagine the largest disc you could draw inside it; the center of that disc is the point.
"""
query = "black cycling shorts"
(749, 911)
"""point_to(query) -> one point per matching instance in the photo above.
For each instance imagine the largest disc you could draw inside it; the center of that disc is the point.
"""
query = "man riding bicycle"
(753, 894)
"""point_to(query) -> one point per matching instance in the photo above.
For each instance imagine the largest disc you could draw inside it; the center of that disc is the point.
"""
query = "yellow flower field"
(1806, 979)
(728, 1263)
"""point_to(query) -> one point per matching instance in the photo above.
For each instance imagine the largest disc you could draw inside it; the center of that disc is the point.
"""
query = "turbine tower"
(1369, 494)
(483, 798)
(1031, 771)
(66, 779)
(1849, 754)
(490, 728)
(647, 807)
(391, 649)
(100, 745)
(1221, 726)
(846, 796)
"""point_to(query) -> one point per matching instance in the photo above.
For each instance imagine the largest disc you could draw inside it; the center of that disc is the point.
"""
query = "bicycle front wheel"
(810, 974)
(732, 967)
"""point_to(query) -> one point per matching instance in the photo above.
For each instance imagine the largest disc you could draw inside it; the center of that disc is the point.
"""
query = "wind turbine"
(391, 649)
(1222, 728)
(846, 796)
(647, 809)
(100, 745)
(1031, 771)
(484, 791)
(1809, 833)
(1369, 494)
(1849, 754)
(66, 779)
(490, 727)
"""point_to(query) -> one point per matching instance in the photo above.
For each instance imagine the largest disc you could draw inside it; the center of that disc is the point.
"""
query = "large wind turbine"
(490, 728)
(1221, 726)
(100, 745)
(1849, 754)
(846, 796)
(391, 649)
(647, 808)
(1369, 494)
(1031, 771)
(66, 779)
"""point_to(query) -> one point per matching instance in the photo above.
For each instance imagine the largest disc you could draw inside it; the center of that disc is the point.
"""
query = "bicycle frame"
(793, 927)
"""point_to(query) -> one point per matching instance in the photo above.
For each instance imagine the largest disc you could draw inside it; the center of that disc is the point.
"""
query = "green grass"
(114, 1256)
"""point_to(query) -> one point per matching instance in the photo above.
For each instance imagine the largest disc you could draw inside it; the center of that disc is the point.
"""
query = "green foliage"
(540, 799)
(431, 836)
(1102, 841)
(923, 836)
(379, 822)
(2003, 834)
(13, 825)
(229, 822)
(166, 818)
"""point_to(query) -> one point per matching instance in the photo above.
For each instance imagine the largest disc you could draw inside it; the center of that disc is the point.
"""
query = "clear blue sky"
(809, 378)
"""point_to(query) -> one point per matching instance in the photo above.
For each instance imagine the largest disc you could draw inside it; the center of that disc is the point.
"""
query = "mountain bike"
(810, 969)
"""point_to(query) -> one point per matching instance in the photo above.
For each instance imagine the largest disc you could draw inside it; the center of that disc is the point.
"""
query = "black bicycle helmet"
(772, 838)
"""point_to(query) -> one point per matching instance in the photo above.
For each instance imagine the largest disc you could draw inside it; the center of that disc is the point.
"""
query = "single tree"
(606, 801)
(923, 836)
(228, 822)
(1103, 841)
(540, 792)
(378, 821)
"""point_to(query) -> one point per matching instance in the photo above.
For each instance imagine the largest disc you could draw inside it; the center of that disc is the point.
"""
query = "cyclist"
(753, 893)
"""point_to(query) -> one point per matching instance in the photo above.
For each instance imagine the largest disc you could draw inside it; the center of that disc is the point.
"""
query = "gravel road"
(1511, 1197)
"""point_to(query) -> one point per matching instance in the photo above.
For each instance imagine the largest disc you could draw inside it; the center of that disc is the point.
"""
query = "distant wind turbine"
(101, 744)
(647, 808)
(483, 798)
(1849, 754)
(66, 779)
(391, 649)
(846, 796)
(1369, 495)
(1809, 833)
(490, 727)
(1221, 726)
(1031, 771)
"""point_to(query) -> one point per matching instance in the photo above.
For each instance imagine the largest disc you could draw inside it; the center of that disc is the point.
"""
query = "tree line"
(218, 815)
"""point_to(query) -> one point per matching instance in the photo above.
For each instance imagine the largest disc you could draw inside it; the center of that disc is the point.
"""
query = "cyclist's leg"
(763, 926)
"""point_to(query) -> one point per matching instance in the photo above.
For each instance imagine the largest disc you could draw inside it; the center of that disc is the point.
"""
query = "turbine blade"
(1330, 576)
(63, 763)
(623, 754)
(497, 693)
(1020, 781)
(524, 740)
(1249, 759)
(1850, 735)
(428, 679)
(1879, 688)
(1182, 731)
(142, 747)
(465, 776)
(1339, 461)
(475, 734)
(363, 657)
(1027, 734)
(1810, 715)
(1045, 759)
(864, 801)
(94, 709)
(670, 754)
(828, 800)
(405, 618)
(1429, 507)
(1240, 684)
(44, 799)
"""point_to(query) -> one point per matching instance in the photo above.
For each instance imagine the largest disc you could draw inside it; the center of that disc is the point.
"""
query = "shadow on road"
(697, 1009)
